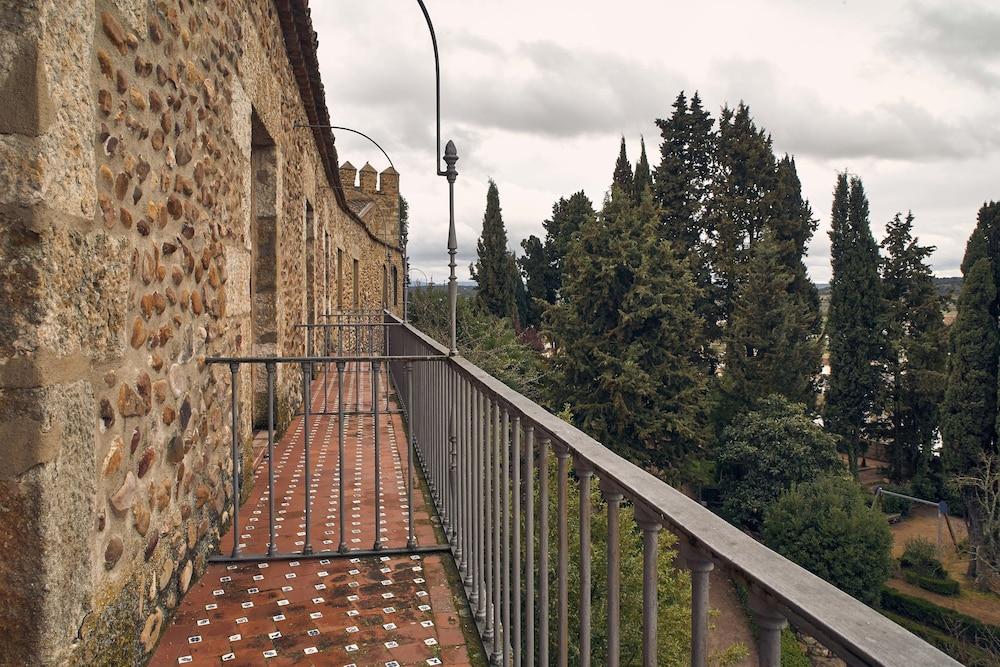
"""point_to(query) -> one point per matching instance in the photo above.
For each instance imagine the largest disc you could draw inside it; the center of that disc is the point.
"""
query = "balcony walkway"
(377, 610)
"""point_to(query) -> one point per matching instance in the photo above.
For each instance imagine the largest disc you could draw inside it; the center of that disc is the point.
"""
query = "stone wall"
(151, 176)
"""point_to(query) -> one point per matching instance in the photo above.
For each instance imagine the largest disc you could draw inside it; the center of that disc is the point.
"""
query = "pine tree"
(495, 270)
(623, 171)
(643, 178)
(628, 336)
(855, 319)
(916, 352)
(568, 216)
(771, 344)
(743, 197)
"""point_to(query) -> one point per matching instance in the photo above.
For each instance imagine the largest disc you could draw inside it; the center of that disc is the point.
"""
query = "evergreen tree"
(855, 319)
(628, 336)
(771, 342)
(623, 171)
(773, 336)
(681, 180)
(985, 242)
(743, 197)
(495, 270)
(680, 188)
(793, 224)
(969, 411)
(568, 216)
(968, 415)
(643, 178)
(539, 278)
(915, 352)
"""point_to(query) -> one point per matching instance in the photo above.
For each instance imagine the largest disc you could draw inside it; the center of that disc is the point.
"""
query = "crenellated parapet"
(374, 197)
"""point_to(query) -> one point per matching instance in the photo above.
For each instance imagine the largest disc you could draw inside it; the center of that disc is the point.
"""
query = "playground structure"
(942, 512)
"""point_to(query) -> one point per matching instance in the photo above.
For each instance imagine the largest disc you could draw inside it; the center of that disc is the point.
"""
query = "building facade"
(162, 200)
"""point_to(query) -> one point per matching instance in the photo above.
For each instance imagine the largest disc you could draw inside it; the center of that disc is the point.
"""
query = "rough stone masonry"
(158, 205)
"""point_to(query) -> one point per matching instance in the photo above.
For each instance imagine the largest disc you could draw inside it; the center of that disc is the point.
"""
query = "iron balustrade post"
(306, 401)
(326, 369)
(770, 622)
(529, 545)
(515, 560)
(489, 511)
(357, 366)
(543, 553)
(234, 369)
(562, 510)
(341, 434)
(375, 373)
(411, 540)
(478, 592)
(650, 524)
(495, 519)
(505, 559)
(270, 367)
(613, 497)
(584, 473)
(453, 463)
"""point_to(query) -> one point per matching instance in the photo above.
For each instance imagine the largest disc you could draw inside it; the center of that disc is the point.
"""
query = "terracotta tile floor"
(377, 610)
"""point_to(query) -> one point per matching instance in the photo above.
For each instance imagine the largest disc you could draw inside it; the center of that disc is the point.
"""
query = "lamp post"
(450, 158)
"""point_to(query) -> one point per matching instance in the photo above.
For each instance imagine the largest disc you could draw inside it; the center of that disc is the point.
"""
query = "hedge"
(932, 584)
(969, 655)
(947, 620)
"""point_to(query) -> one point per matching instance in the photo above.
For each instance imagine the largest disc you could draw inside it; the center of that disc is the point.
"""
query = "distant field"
(947, 289)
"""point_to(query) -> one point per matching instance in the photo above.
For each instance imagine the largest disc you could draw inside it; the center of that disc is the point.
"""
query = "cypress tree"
(968, 415)
(742, 199)
(916, 352)
(568, 216)
(793, 224)
(623, 171)
(628, 337)
(855, 319)
(494, 269)
(643, 178)
(985, 242)
(680, 188)
(771, 345)
(539, 277)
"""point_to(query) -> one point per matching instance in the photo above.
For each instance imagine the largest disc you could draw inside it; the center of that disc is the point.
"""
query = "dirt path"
(729, 625)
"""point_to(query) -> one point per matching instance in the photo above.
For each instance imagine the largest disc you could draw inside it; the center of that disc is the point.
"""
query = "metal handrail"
(781, 591)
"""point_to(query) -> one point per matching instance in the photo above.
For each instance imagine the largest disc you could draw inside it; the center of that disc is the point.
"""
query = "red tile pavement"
(376, 610)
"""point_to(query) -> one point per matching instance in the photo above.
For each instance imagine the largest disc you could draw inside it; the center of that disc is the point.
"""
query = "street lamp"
(450, 158)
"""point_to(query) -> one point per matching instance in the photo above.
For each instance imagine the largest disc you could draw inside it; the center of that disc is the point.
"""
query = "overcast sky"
(536, 95)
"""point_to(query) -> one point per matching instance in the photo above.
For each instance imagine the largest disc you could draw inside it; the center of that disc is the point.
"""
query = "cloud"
(961, 37)
(804, 124)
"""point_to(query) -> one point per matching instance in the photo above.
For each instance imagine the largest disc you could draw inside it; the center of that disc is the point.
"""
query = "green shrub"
(920, 555)
(946, 620)
(828, 528)
(941, 586)
(765, 452)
